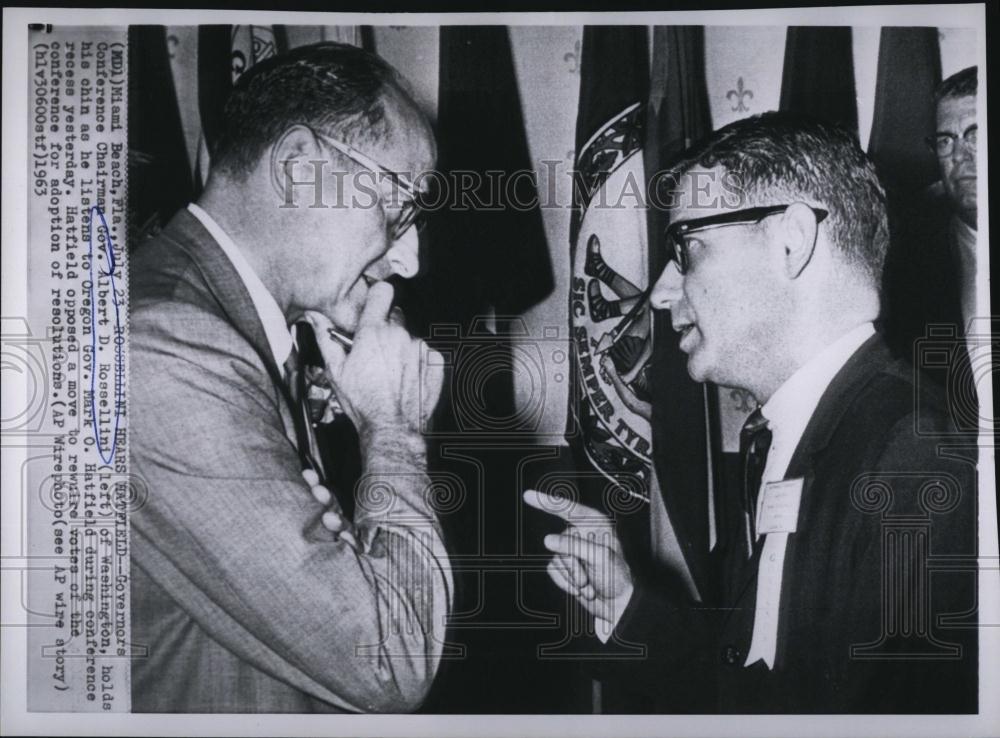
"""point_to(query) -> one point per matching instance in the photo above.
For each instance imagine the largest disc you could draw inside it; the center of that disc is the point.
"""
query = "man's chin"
(696, 367)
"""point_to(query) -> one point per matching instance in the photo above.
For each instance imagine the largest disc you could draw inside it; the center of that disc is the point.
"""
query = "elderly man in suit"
(248, 594)
(778, 237)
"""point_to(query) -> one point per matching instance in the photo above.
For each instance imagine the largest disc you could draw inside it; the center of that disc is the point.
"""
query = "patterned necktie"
(755, 442)
(296, 382)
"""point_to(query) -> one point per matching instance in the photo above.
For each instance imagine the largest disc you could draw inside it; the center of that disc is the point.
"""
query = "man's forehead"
(410, 146)
(955, 110)
(704, 191)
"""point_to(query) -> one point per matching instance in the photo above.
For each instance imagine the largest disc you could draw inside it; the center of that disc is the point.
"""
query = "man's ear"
(296, 159)
(799, 231)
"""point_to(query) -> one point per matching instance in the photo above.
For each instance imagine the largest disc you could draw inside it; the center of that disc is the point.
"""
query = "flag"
(611, 336)
(485, 261)
(818, 76)
(685, 436)
(904, 107)
(160, 176)
(485, 253)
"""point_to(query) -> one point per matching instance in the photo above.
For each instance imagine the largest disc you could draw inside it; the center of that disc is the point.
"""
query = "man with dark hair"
(247, 594)
(823, 552)
(954, 144)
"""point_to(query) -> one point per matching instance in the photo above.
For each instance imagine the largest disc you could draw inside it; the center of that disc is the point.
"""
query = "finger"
(568, 510)
(332, 352)
(557, 573)
(349, 538)
(570, 546)
(311, 477)
(575, 572)
(377, 304)
(601, 536)
(592, 551)
(332, 521)
(322, 494)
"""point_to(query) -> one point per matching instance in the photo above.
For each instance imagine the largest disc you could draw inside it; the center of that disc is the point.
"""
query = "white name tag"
(779, 507)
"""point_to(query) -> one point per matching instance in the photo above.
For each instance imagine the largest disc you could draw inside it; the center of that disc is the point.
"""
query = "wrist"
(392, 446)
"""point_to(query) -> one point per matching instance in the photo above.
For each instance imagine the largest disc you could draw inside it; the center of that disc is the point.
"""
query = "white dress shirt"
(788, 412)
(279, 339)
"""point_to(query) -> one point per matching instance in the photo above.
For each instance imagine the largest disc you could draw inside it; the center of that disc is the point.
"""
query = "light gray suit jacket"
(241, 599)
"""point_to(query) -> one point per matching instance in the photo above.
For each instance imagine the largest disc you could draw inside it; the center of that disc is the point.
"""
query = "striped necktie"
(755, 442)
(305, 433)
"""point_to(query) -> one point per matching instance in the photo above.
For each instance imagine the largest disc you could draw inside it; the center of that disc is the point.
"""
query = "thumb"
(377, 304)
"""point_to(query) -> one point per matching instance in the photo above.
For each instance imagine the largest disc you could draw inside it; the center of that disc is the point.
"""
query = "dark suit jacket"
(878, 591)
(243, 601)
(920, 281)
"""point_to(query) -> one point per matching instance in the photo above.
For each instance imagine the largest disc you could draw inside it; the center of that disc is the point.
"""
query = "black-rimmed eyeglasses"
(943, 143)
(677, 233)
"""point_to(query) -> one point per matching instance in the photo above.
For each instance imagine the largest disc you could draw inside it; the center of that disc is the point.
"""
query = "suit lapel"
(224, 282)
(870, 358)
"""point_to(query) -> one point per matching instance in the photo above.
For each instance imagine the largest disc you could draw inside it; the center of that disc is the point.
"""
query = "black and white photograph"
(597, 373)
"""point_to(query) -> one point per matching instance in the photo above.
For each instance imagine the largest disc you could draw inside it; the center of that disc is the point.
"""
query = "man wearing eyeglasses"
(954, 144)
(822, 552)
(252, 590)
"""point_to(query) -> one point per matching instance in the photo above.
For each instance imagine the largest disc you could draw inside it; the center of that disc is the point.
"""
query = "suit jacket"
(921, 285)
(877, 607)
(241, 600)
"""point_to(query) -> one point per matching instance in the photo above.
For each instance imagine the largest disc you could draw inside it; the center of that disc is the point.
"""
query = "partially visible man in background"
(247, 594)
(930, 274)
(954, 144)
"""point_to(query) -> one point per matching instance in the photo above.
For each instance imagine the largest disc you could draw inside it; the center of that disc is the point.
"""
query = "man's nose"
(404, 254)
(962, 150)
(667, 289)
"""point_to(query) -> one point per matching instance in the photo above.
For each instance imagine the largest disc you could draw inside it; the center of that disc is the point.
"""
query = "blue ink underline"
(119, 360)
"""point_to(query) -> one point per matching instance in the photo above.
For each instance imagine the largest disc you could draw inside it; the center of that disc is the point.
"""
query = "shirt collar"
(795, 401)
(279, 339)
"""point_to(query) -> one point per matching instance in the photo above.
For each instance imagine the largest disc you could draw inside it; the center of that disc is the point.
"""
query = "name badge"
(779, 507)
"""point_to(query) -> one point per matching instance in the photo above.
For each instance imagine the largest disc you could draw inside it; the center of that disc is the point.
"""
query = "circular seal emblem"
(610, 314)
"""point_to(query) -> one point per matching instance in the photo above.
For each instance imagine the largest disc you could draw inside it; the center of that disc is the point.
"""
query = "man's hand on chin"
(389, 382)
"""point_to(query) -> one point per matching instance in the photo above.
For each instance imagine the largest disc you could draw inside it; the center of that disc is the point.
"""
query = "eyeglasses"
(411, 210)
(677, 233)
(943, 144)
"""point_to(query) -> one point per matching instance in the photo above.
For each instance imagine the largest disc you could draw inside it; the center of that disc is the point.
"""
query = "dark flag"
(487, 261)
(818, 76)
(920, 280)
(684, 453)
(609, 310)
(610, 324)
(160, 177)
(909, 68)
(486, 252)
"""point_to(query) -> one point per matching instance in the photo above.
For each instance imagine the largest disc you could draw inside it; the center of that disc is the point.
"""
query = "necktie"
(755, 442)
(308, 447)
